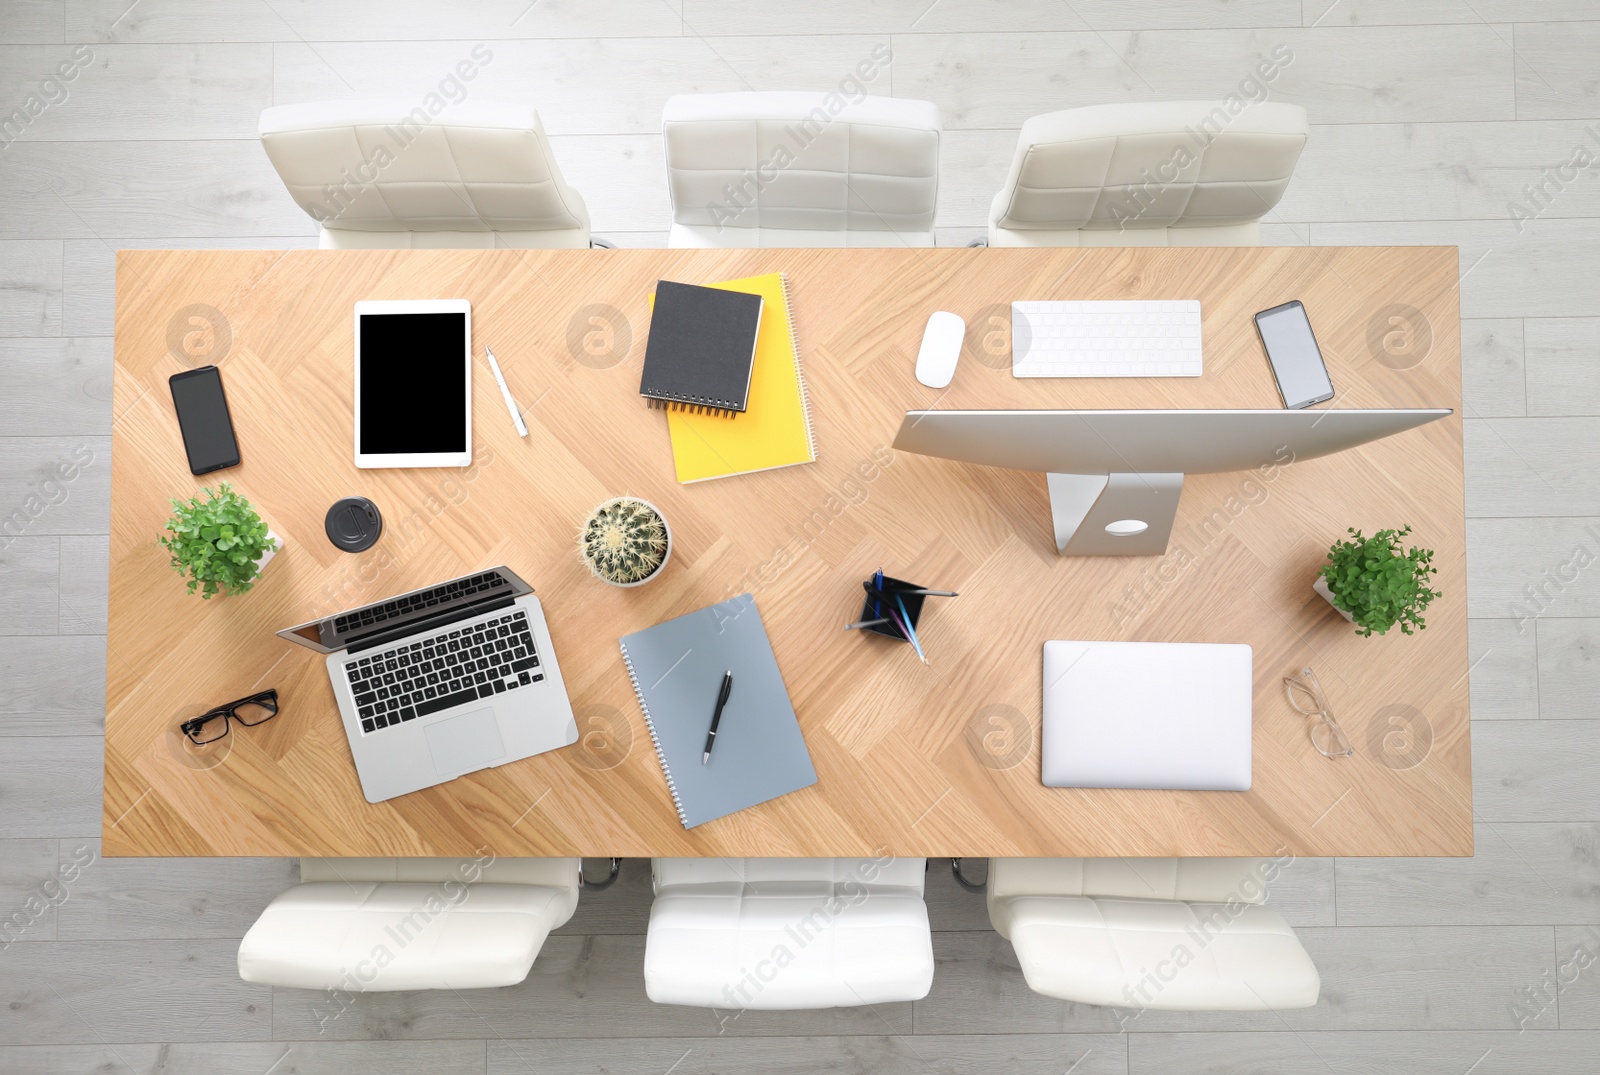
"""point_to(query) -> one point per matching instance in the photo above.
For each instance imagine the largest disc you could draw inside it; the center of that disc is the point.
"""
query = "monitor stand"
(1115, 514)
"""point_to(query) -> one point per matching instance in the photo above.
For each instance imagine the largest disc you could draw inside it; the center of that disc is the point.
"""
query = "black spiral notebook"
(701, 349)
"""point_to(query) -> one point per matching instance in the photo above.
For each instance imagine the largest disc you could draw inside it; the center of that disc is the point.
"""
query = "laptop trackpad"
(465, 743)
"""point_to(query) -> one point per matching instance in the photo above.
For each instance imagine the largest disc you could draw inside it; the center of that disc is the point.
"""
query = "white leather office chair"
(364, 925)
(787, 933)
(790, 168)
(386, 175)
(1185, 934)
(1174, 173)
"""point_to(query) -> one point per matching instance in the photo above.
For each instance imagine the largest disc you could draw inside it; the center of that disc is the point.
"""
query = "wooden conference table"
(911, 760)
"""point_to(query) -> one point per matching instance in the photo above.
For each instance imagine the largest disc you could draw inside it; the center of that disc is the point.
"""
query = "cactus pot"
(625, 542)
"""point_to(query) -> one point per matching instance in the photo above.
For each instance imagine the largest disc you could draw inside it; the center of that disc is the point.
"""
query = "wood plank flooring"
(1430, 118)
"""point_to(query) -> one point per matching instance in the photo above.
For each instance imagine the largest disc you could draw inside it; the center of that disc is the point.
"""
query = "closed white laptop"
(1174, 716)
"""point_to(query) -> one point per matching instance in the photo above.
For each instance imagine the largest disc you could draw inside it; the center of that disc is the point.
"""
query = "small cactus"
(624, 541)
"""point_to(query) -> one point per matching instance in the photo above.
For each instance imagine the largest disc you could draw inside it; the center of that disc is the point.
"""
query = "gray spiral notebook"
(677, 668)
(701, 348)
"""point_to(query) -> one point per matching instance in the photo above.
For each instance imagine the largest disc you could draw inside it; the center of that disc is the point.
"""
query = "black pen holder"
(913, 612)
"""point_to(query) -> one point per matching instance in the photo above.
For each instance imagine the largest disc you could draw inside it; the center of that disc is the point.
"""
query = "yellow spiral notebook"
(775, 429)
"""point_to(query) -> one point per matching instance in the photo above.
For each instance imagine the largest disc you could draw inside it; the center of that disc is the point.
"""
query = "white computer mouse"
(941, 347)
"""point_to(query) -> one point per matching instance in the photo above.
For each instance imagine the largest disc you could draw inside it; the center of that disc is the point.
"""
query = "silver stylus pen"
(511, 404)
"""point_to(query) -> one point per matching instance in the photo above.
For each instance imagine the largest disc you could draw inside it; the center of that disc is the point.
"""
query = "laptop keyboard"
(476, 661)
(421, 601)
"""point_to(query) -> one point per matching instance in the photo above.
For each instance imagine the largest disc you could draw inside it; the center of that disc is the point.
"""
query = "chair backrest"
(1174, 164)
(802, 161)
(388, 166)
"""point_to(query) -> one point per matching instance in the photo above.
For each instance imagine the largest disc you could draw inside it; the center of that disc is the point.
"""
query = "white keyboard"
(1159, 338)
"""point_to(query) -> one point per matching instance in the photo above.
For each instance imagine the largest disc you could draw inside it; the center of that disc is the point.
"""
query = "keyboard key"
(408, 714)
(369, 725)
(523, 678)
(366, 699)
(524, 664)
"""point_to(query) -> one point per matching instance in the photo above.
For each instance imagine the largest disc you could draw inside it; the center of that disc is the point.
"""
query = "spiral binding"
(654, 739)
(693, 405)
(799, 374)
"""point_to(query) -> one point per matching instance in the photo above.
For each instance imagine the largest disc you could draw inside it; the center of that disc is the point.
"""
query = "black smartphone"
(203, 417)
(1293, 353)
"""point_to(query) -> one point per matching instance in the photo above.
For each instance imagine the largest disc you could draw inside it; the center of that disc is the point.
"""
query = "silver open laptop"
(441, 682)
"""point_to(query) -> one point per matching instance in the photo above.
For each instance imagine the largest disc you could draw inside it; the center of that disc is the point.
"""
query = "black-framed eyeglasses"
(210, 726)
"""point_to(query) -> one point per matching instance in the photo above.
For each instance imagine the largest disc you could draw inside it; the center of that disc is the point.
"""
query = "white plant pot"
(266, 557)
(1321, 586)
(666, 559)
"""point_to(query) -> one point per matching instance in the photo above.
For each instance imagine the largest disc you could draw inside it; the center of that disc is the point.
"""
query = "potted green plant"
(625, 541)
(1374, 584)
(220, 544)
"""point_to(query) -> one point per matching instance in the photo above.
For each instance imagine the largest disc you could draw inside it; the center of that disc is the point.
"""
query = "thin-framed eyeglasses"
(1305, 694)
(212, 725)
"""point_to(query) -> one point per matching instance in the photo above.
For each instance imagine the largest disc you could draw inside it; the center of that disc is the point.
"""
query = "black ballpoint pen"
(716, 715)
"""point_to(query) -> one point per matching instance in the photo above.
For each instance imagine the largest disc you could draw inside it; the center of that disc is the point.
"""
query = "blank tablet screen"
(413, 383)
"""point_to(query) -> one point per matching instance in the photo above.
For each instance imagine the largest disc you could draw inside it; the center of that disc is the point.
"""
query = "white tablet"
(414, 383)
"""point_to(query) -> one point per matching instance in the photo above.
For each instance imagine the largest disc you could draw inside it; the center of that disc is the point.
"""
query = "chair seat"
(703, 236)
(368, 936)
(1161, 954)
(787, 934)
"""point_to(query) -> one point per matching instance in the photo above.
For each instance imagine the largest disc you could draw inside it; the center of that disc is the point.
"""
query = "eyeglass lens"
(254, 711)
(1329, 739)
(206, 729)
(1302, 696)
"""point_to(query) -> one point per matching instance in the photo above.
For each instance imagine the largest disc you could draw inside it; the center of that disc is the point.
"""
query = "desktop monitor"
(1115, 476)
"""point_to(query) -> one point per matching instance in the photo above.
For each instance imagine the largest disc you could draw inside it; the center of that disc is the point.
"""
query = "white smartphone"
(1293, 353)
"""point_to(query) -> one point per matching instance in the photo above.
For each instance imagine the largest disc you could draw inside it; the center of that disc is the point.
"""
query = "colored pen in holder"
(893, 607)
(882, 605)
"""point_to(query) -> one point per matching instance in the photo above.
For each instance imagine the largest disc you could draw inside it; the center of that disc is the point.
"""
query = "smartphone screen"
(203, 418)
(1296, 360)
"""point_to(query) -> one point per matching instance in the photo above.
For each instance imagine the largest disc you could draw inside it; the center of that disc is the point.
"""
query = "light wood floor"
(1428, 123)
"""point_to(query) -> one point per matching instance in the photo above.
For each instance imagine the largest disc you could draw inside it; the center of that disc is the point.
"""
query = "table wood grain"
(911, 760)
